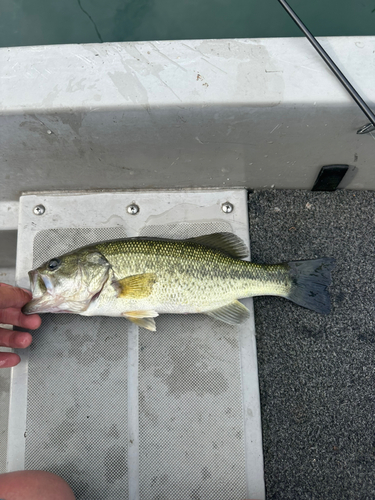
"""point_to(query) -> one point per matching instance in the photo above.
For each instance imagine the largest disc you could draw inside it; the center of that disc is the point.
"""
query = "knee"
(34, 485)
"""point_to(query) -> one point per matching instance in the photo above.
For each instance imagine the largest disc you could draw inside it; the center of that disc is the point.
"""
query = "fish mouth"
(42, 291)
(44, 304)
(37, 284)
(33, 277)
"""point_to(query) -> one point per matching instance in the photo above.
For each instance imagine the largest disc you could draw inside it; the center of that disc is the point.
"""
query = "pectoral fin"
(138, 286)
(233, 313)
(142, 318)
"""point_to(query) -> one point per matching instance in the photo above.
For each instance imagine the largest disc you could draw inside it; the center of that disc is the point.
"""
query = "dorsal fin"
(226, 242)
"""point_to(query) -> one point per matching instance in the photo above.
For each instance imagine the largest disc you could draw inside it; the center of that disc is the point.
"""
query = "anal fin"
(232, 314)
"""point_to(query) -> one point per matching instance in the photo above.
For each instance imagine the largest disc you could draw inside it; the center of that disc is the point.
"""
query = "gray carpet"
(317, 373)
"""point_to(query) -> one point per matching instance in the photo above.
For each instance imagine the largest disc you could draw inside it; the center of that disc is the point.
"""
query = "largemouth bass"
(140, 278)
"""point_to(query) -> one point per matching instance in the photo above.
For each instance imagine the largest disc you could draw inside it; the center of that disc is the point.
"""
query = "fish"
(140, 278)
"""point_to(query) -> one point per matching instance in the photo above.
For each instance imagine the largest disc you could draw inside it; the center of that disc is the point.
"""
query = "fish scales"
(190, 277)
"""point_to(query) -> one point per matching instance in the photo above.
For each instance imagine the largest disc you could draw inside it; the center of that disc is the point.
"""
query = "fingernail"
(23, 339)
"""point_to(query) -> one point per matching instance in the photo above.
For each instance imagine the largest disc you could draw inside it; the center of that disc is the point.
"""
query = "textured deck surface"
(317, 373)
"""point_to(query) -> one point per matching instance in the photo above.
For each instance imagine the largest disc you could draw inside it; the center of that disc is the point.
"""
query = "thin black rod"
(349, 87)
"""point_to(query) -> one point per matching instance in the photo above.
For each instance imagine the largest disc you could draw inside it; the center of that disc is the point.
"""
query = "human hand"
(11, 301)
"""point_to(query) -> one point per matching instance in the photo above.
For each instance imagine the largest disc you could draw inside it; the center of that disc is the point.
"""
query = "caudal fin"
(310, 281)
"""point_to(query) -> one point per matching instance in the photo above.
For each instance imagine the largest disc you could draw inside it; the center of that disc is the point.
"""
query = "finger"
(9, 359)
(12, 286)
(13, 297)
(15, 317)
(15, 340)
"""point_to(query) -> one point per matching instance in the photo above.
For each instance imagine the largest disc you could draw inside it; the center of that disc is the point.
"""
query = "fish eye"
(53, 264)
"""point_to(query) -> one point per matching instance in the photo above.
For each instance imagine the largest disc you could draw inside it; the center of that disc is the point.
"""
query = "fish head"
(67, 283)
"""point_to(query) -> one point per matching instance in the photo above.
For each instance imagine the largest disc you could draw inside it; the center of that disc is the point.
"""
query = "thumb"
(11, 296)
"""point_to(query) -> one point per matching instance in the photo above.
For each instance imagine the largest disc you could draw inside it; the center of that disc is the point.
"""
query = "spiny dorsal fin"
(226, 242)
(142, 318)
(138, 286)
(233, 313)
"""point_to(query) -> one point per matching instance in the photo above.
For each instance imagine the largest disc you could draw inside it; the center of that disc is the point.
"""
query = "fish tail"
(309, 283)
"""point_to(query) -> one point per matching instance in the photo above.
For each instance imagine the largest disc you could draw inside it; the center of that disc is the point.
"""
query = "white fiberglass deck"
(121, 412)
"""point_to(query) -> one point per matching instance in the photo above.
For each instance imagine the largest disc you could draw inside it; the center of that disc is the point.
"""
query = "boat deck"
(317, 373)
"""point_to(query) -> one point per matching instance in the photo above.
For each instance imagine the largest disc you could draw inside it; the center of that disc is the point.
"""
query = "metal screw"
(227, 207)
(39, 210)
(132, 209)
